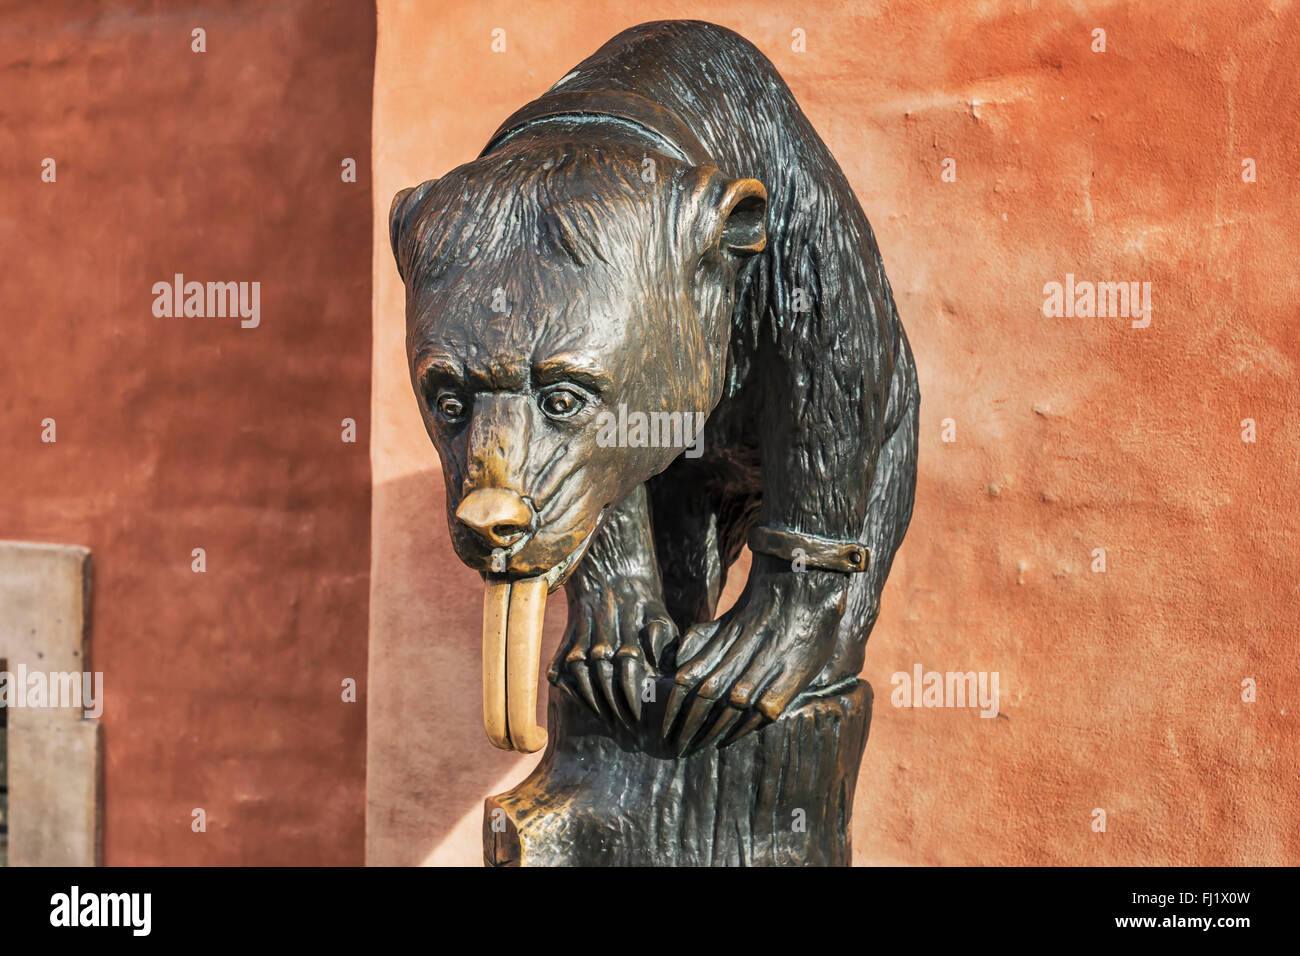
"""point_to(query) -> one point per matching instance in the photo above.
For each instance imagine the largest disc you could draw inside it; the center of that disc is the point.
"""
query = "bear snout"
(500, 517)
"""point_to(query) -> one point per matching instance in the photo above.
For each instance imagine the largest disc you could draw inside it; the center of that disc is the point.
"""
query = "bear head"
(550, 288)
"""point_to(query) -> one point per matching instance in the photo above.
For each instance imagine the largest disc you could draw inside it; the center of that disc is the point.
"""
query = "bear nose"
(499, 517)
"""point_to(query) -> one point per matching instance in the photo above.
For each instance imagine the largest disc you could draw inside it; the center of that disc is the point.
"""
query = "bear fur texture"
(659, 240)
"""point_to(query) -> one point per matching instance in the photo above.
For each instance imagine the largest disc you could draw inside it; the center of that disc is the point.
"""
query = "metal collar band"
(652, 121)
(824, 553)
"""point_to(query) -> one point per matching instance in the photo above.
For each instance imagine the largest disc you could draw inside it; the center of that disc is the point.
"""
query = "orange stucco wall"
(1120, 690)
(222, 689)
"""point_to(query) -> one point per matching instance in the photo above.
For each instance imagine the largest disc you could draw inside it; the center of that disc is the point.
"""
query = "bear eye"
(450, 407)
(562, 403)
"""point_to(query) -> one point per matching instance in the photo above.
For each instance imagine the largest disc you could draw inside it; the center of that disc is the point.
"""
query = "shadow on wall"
(432, 766)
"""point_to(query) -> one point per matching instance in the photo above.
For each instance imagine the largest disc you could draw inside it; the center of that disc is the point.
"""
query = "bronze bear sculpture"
(658, 241)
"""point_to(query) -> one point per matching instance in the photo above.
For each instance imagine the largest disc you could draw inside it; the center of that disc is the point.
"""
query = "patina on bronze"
(660, 239)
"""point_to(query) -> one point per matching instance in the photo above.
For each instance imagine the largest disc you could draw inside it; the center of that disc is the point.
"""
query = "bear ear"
(399, 220)
(742, 210)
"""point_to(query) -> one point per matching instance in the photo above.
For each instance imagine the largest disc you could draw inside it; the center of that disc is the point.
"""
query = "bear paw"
(742, 671)
(615, 637)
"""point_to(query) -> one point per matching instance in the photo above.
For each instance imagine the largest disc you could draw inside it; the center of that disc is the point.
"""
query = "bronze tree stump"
(782, 796)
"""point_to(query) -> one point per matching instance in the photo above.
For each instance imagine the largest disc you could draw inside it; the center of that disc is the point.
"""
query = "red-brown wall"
(222, 689)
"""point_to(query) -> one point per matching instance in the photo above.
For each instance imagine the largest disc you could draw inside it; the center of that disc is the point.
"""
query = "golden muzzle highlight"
(513, 612)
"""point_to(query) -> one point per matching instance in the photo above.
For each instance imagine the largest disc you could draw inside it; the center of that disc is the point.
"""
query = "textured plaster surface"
(1119, 690)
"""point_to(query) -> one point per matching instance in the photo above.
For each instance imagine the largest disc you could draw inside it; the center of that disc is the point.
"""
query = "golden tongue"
(513, 612)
